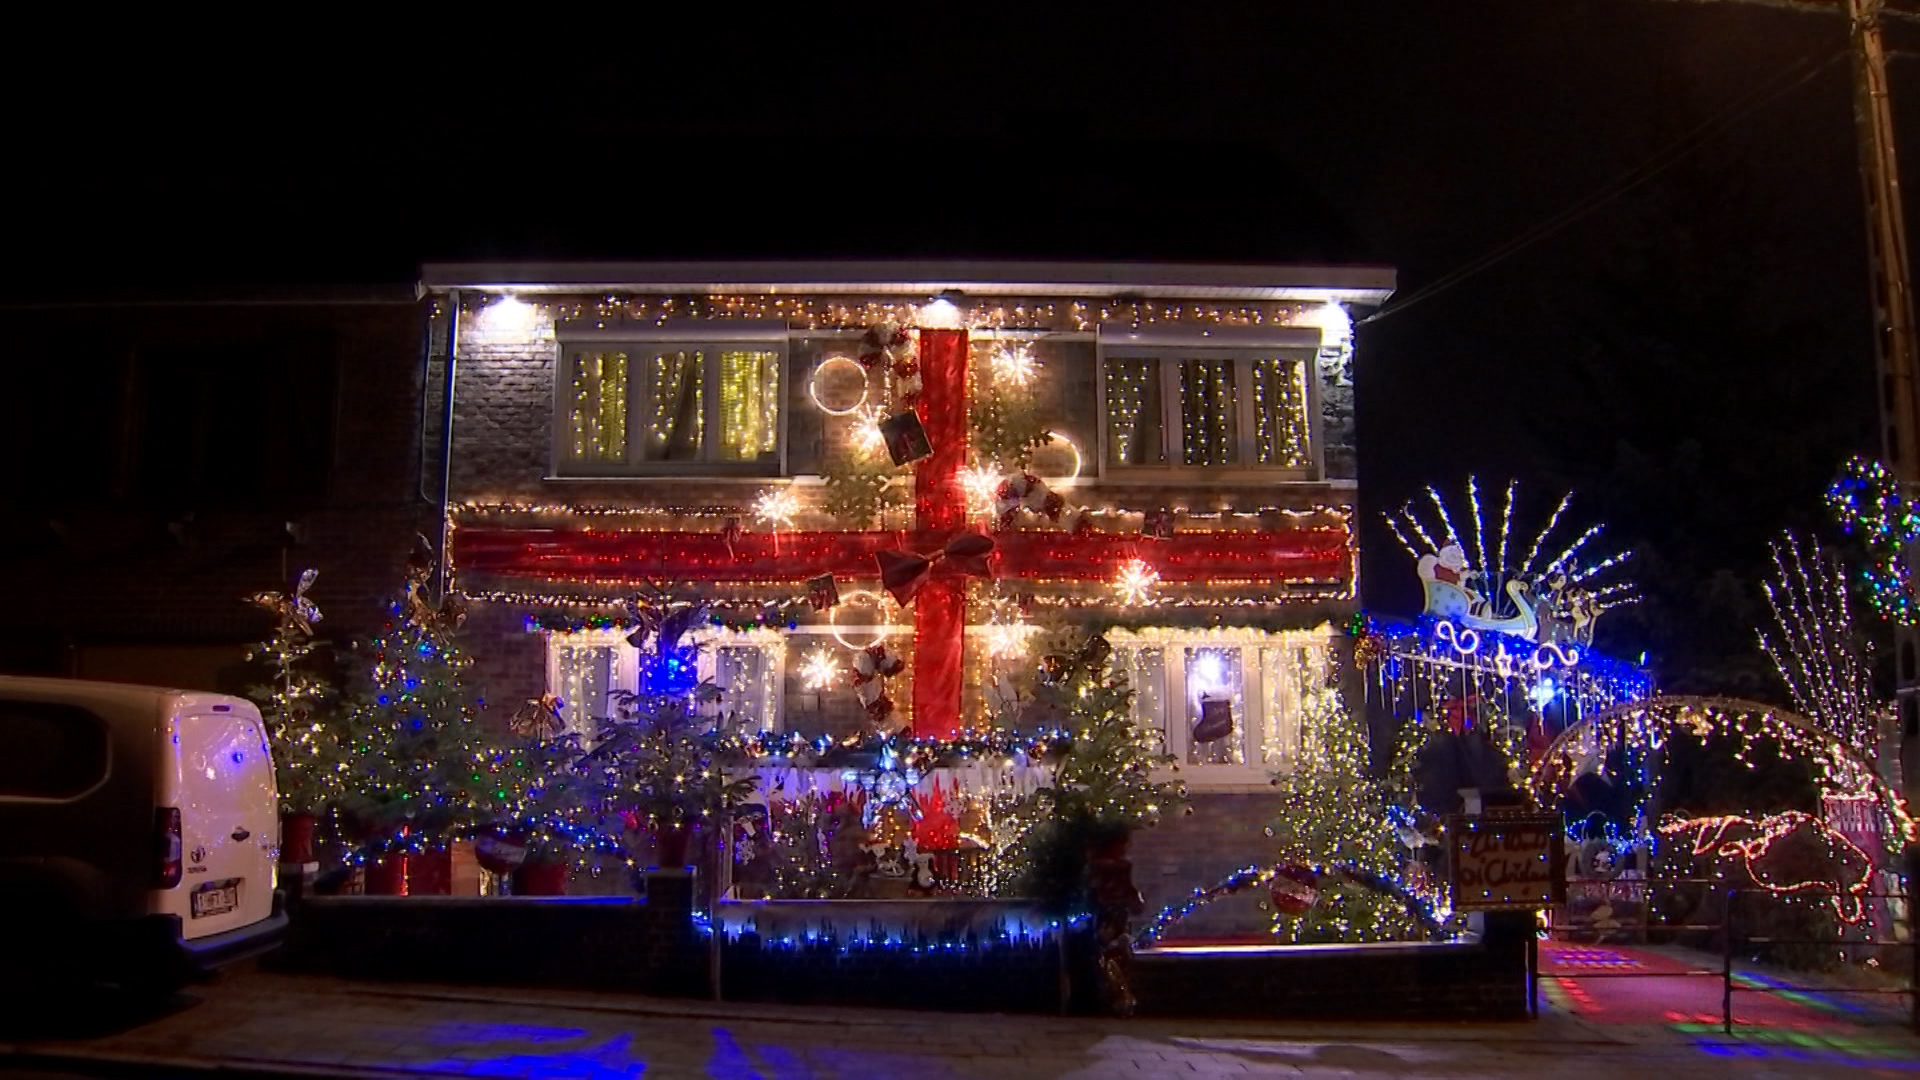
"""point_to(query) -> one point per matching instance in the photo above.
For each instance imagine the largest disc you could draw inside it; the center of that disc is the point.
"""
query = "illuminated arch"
(1420, 908)
(1704, 716)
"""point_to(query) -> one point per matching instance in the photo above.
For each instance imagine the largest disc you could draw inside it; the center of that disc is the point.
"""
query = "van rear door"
(229, 824)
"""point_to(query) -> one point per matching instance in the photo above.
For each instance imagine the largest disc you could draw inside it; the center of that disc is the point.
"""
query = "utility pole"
(1893, 339)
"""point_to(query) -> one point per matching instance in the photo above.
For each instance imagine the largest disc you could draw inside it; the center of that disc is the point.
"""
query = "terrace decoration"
(1303, 554)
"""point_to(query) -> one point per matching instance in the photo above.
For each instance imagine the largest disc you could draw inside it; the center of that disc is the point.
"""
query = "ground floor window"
(1226, 703)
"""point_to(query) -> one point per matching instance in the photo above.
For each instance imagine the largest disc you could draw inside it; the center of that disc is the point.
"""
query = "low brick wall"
(1472, 980)
(643, 944)
(650, 945)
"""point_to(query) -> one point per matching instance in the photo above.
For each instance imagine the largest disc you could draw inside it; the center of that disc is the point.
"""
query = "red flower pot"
(670, 843)
(387, 876)
(430, 873)
(541, 879)
(296, 838)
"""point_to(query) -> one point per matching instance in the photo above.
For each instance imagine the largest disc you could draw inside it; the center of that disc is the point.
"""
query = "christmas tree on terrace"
(1333, 816)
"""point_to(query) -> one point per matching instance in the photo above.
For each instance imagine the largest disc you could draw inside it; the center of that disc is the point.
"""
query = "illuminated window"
(1225, 703)
(638, 409)
(1207, 408)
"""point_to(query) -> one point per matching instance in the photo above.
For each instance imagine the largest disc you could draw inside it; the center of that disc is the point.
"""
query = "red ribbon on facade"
(902, 573)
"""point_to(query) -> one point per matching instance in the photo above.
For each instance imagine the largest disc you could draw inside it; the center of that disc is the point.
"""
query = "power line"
(1788, 80)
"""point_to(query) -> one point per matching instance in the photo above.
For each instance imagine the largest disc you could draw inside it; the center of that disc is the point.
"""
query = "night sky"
(1691, 354)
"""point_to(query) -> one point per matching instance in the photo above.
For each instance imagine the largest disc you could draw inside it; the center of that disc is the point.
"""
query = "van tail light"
(166, 829)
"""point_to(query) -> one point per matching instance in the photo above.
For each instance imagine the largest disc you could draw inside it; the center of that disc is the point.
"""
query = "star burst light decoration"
(1013, 365)
(1007, 640)
(818, 670)
(866, 430)
(1135, 582)
(979, 483)
(777, 508)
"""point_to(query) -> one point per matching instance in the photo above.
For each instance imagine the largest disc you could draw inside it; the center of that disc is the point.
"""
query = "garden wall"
(652, 945)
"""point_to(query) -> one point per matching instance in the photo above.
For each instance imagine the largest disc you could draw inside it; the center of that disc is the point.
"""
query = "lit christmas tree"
(1333, 816)
(1103, 784)
(426, 768)
(308, 758)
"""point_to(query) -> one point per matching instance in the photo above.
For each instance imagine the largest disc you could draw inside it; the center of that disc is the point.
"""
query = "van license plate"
(215, 898)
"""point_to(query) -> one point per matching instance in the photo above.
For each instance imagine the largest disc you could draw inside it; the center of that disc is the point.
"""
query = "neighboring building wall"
(167, 447)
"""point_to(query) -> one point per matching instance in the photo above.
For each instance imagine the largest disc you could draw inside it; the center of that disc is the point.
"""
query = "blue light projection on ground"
(558, 1053)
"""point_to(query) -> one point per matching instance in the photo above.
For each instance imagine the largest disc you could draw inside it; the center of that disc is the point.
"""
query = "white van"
(139, 836)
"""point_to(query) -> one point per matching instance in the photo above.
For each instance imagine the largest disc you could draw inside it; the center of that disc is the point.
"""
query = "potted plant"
(666, 770)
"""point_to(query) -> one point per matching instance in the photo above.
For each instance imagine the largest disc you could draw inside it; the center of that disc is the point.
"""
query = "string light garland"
(551, 314)
(1825, 663)
(1750, 840)
(1867, 502)
(1642, 726)
(1431, 918)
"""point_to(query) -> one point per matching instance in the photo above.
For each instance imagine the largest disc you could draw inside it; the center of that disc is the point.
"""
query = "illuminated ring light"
(833, 619)
(1072, 448)
(1667, 710)
(813, 385)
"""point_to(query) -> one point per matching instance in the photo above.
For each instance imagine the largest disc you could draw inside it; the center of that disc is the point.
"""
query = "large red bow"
(902, 572)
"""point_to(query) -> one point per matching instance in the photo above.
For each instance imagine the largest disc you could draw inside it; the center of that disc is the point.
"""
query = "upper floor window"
(1210, 408)
(671, 407)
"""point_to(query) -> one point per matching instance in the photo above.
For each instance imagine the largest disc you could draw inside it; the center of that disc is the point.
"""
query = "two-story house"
(730, 431)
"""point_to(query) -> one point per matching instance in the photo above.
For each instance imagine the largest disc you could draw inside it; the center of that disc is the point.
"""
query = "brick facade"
(113, 569)
(503, 452)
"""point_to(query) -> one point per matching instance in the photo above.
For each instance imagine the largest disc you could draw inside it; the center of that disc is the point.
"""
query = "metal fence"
(1706, 916)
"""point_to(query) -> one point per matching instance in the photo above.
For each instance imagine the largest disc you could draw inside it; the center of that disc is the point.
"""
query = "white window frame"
(710, 344)
(625, 669)
(1167, 354)
(622, 673)
(1252, 721)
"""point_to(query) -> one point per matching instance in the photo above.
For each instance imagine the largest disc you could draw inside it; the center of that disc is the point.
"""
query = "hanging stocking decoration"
(1025, 491)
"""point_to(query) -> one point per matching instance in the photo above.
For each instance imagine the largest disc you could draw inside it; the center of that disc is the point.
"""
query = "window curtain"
(679, 409)
(1280, 412)
(597, 415)
(749, 405)
(1146, 671)
(1134, 412)
(1209, 417)
(585, 680)
(744, 677)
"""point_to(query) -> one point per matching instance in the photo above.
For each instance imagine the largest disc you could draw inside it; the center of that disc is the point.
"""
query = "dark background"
(1691, 355)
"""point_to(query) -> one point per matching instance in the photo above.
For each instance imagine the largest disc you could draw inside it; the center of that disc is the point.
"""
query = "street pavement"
(257, 1023)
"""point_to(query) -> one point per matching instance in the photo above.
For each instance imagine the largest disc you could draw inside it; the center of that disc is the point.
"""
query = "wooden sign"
(1506, 862)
